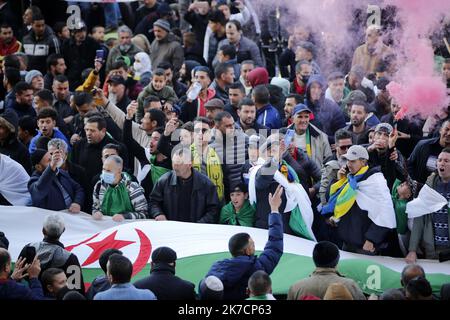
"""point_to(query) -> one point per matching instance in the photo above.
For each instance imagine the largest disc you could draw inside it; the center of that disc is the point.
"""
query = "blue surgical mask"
(108, 177)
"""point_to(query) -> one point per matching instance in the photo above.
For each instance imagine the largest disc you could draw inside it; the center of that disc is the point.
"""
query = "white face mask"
(137, 66)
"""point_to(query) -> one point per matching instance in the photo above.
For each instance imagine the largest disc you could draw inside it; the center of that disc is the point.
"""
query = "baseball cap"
(356, 152)
(301, 108)
(385, 127)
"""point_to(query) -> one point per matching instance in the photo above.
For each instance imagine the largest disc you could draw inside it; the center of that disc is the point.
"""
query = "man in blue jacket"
(52, 188)
(235, 272)
(10, 286)
(266, 114)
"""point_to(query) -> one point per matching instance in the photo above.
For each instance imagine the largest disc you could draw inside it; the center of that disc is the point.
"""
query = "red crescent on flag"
(144, 252)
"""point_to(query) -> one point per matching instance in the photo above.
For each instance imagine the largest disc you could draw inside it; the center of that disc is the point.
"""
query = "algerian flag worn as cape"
(297, 202)
(428, 201)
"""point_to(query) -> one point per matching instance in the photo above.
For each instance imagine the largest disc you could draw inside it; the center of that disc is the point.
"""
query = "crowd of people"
(181, 114)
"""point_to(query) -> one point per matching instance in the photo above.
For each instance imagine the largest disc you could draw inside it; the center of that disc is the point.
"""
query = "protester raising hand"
(275, 199)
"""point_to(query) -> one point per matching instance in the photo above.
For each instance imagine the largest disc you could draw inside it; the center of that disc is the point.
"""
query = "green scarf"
(296, 220)
(116, 200)
(156, 171)
(400, 209)
(213, 168)
(245, 217)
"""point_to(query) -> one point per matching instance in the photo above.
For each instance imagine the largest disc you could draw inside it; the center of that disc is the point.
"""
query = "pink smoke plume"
(417, 88)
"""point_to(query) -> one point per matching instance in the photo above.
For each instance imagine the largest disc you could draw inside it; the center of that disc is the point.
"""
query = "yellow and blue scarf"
(343, 194)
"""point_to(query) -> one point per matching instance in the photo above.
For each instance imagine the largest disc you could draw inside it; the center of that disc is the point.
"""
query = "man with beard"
(247, 119)
(56, 65)
(231, 146)
(358, 127)
(124, 48)
(381, 106)
(153, 164)
(8, 43)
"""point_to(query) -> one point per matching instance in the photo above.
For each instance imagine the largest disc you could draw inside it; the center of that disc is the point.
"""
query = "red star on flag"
(108, 243)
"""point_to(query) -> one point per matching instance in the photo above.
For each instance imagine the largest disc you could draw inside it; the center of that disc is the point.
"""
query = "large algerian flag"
(198, 246)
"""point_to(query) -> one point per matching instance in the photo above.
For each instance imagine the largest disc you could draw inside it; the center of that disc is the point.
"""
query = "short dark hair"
(165, 65)
(446, 150)
(37, 16)
(298, 66)
(104, 257)
(246, 102)
(217, 16)
(160, 130)
(228, 50)
(418, 288)
(158, 116)
(61, 78)
(392, 294)
(150, 99)
(45, 95)
(119, 64)
(47, 113)
(204, 120)
(22, 86)
(237, 85)
(259, 283)
(100, 120)
(381, 66)
(59, 26)
(221, 68)
(80, 98)
(94, 28)
(189, 126)
(112, 146)
(5, 26)
(28, 123)
(12, 75)
(42, 142)
(342, 134)
(236, 23)
(298, 98)
(159, 72)
(238, 243)
(248, 62)
(47, 277)
(261, 94)
(221, 115)
(361, 103)
(12, 61)
(5, 258)
(120, 268)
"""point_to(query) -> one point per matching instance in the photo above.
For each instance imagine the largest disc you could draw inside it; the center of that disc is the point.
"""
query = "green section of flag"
(371, 277)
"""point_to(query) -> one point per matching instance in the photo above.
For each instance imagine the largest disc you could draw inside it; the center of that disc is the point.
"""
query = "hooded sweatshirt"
(327, 114)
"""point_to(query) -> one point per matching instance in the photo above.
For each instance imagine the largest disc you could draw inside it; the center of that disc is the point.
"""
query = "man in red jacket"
(8, 43)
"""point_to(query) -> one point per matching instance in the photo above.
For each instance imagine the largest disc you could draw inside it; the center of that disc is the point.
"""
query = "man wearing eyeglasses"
(332, 164)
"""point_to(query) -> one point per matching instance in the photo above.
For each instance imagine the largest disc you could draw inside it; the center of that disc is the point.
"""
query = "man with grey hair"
(125, 48)
(76, 172)
(116, 196)
(52, 254)
(51, 188)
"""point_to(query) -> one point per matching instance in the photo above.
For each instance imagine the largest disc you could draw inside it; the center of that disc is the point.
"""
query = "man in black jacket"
(184, 194)
(162, 280)
(423, 159)
(52, 254)
(9, 144)
(79, 52)
(39, 43)
(88, 151)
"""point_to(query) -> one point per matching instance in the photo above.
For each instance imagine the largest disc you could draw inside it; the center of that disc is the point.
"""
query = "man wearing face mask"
(51, 187)
(124, 48)
(116, 196)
